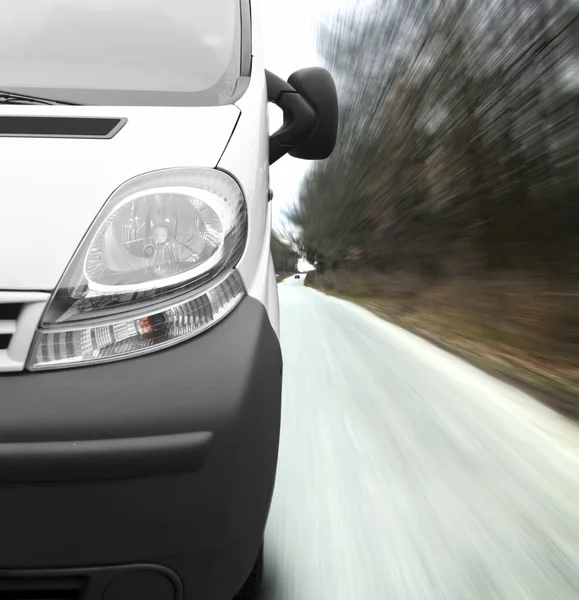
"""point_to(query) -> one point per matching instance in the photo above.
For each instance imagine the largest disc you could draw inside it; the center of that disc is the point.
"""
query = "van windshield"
(122, 52)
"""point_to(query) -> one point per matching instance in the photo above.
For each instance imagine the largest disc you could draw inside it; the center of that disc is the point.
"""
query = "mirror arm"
(299, 118)
(276, 86)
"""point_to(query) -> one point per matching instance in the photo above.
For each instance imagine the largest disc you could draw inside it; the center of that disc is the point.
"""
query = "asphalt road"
(406, 474)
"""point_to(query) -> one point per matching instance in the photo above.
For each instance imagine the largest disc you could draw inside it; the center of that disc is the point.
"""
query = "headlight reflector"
(158, 235)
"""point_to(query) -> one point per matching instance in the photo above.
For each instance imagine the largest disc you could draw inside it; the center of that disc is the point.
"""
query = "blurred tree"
(285, 258)
(459, 140)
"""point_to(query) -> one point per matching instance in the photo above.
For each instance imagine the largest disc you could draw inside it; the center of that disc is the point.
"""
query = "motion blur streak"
(453, 192)
(406, 474)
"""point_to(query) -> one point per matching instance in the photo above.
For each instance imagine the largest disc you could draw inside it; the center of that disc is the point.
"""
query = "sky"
(289, 45)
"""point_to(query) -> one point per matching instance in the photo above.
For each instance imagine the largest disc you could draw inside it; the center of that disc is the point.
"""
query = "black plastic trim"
(42, 588)
(103, 459)
(207, 527)
(5, 340)
(10, 311)
(98, 578)
(299, 117)
(99, 128)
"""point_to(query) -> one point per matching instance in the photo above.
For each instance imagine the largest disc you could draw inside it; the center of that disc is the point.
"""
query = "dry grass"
(524, 329)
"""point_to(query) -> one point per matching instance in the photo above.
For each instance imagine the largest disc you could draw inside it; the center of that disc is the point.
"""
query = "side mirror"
(310, 111)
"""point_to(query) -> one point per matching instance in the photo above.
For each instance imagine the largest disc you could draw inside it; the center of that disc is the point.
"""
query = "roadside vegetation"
(505, 327)
(451, 203)
(285, 258)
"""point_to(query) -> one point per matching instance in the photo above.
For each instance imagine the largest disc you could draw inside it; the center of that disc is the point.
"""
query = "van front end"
(143, 478)
(140, 362)
(139, 430)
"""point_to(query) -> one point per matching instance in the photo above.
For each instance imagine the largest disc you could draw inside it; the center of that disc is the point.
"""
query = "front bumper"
(167, 459)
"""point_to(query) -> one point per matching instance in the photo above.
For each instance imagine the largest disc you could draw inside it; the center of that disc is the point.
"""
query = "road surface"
(406, 474)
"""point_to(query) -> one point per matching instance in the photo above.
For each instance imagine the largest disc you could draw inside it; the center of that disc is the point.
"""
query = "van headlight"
(155, 268)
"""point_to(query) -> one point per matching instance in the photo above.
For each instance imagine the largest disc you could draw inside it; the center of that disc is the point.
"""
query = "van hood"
(52, 189)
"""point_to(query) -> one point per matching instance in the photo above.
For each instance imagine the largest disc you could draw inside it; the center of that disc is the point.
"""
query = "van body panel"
(52, 189)
(264, 278)
(247, 159)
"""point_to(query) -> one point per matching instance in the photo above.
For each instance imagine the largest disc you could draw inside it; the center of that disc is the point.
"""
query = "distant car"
(296, 276)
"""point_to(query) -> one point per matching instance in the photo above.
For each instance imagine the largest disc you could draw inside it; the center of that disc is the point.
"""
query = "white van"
(140, 364)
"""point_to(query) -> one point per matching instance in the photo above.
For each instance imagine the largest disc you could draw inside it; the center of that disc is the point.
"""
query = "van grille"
(10, 311)
(40, 595)
(42, 589)
(20, 313)
(8, 317)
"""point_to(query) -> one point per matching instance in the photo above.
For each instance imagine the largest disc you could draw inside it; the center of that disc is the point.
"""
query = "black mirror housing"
(310, 107)
(317, 86)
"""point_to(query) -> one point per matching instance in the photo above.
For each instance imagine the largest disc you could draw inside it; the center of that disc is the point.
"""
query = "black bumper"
(168, 459)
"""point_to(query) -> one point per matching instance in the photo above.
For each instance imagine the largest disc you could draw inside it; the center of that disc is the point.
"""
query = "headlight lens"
(155, 268)
(161, 233)
(160, 327)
